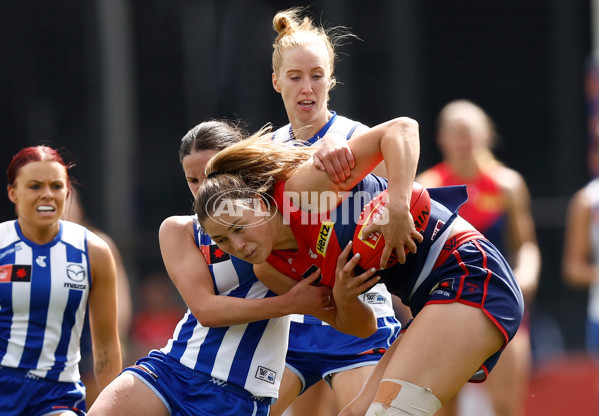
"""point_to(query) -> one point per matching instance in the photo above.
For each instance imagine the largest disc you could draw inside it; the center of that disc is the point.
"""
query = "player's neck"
(466, 169)
(285, 239)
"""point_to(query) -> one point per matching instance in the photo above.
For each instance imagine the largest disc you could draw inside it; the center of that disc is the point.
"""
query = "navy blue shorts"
(23, 393)
(187, 392)
(477, 275)
(318, 351)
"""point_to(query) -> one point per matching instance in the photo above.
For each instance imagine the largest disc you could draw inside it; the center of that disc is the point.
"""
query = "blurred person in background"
(499, 207)
(51, 273)
(581, 245)
(303, 64)
(74, 212)
(158, 311)
(227, 353)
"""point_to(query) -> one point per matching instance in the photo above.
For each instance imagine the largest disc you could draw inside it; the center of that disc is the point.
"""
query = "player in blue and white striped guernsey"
(51, 271)
(303, 66)
(227, 354)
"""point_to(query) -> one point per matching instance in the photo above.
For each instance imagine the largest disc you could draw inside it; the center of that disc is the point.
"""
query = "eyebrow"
(228, 229)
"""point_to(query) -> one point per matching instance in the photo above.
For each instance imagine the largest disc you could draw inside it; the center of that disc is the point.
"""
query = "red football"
(371, 248)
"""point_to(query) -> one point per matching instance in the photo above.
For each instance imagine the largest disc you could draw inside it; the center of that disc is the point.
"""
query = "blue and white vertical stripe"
(251, 355)
(42, 315)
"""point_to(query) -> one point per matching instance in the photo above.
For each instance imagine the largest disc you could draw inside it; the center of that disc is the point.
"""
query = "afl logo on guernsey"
(326, 229)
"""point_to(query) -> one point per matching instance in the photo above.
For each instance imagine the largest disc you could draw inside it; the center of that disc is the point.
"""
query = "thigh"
(127, 395)
(443, 347)
(291, 385)
(507, 384)
(318, 400)
(347, 384)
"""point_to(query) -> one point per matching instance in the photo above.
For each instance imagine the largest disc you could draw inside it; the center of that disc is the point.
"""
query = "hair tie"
(213, 174)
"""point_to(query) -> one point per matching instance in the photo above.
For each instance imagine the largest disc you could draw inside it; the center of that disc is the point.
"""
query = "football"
(371, 248)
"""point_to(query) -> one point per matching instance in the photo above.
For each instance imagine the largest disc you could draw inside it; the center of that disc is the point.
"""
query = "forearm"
(527, 270)
(222, 311)
(581, 274)
(355, 318)
(401, 157)
(107, 363)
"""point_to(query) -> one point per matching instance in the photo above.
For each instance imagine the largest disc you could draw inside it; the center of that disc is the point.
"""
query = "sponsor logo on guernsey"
(15, 273)
(41, 261)
(76, 273)
(264, 374)
(326, 229)
(374, 298)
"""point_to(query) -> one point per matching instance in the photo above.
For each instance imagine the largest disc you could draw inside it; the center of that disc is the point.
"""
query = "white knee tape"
(400, 398)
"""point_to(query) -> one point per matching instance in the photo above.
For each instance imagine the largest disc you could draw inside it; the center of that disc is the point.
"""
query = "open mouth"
(307, 104)
(46, 208)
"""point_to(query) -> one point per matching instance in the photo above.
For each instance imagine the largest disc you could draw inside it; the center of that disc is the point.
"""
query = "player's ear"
(12, 195)
(275, 83)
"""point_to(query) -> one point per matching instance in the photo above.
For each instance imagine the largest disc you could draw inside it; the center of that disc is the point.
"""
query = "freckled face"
(194, 165)
(242, 233)
(303, 82)
(39, 194)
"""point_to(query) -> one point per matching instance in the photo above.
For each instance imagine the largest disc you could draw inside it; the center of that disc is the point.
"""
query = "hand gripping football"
(371, 248)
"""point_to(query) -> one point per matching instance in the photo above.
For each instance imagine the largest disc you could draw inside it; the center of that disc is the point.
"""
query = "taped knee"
(400, 398)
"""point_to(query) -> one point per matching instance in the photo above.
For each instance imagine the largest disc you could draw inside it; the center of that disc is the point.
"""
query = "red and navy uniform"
(486, 206)
(464, 267)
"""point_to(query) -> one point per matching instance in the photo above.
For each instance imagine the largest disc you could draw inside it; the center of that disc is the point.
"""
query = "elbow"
(406, 124)
(207, 321)
(572, 277)
(363, 331)
(205, 318)
(366, 332)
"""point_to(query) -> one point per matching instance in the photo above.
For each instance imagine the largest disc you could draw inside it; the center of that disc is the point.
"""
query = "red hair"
(33, 154)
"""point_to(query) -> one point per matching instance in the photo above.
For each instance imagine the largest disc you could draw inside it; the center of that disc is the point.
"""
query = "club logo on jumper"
(264, 374)
(15, 273)
(326, 229)
(444, 287)
(41, 261)
(374, 298)
(213, 254)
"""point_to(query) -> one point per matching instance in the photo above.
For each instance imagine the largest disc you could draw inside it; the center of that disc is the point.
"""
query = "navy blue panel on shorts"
(318, 351)
(27, 394)
(476, 274)
(187, 392)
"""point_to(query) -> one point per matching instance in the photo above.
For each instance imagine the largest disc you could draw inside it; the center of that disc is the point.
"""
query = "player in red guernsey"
(498, 206)
(451, 275)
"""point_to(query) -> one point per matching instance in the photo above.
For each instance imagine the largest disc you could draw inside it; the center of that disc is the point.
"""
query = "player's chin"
(255, 257)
